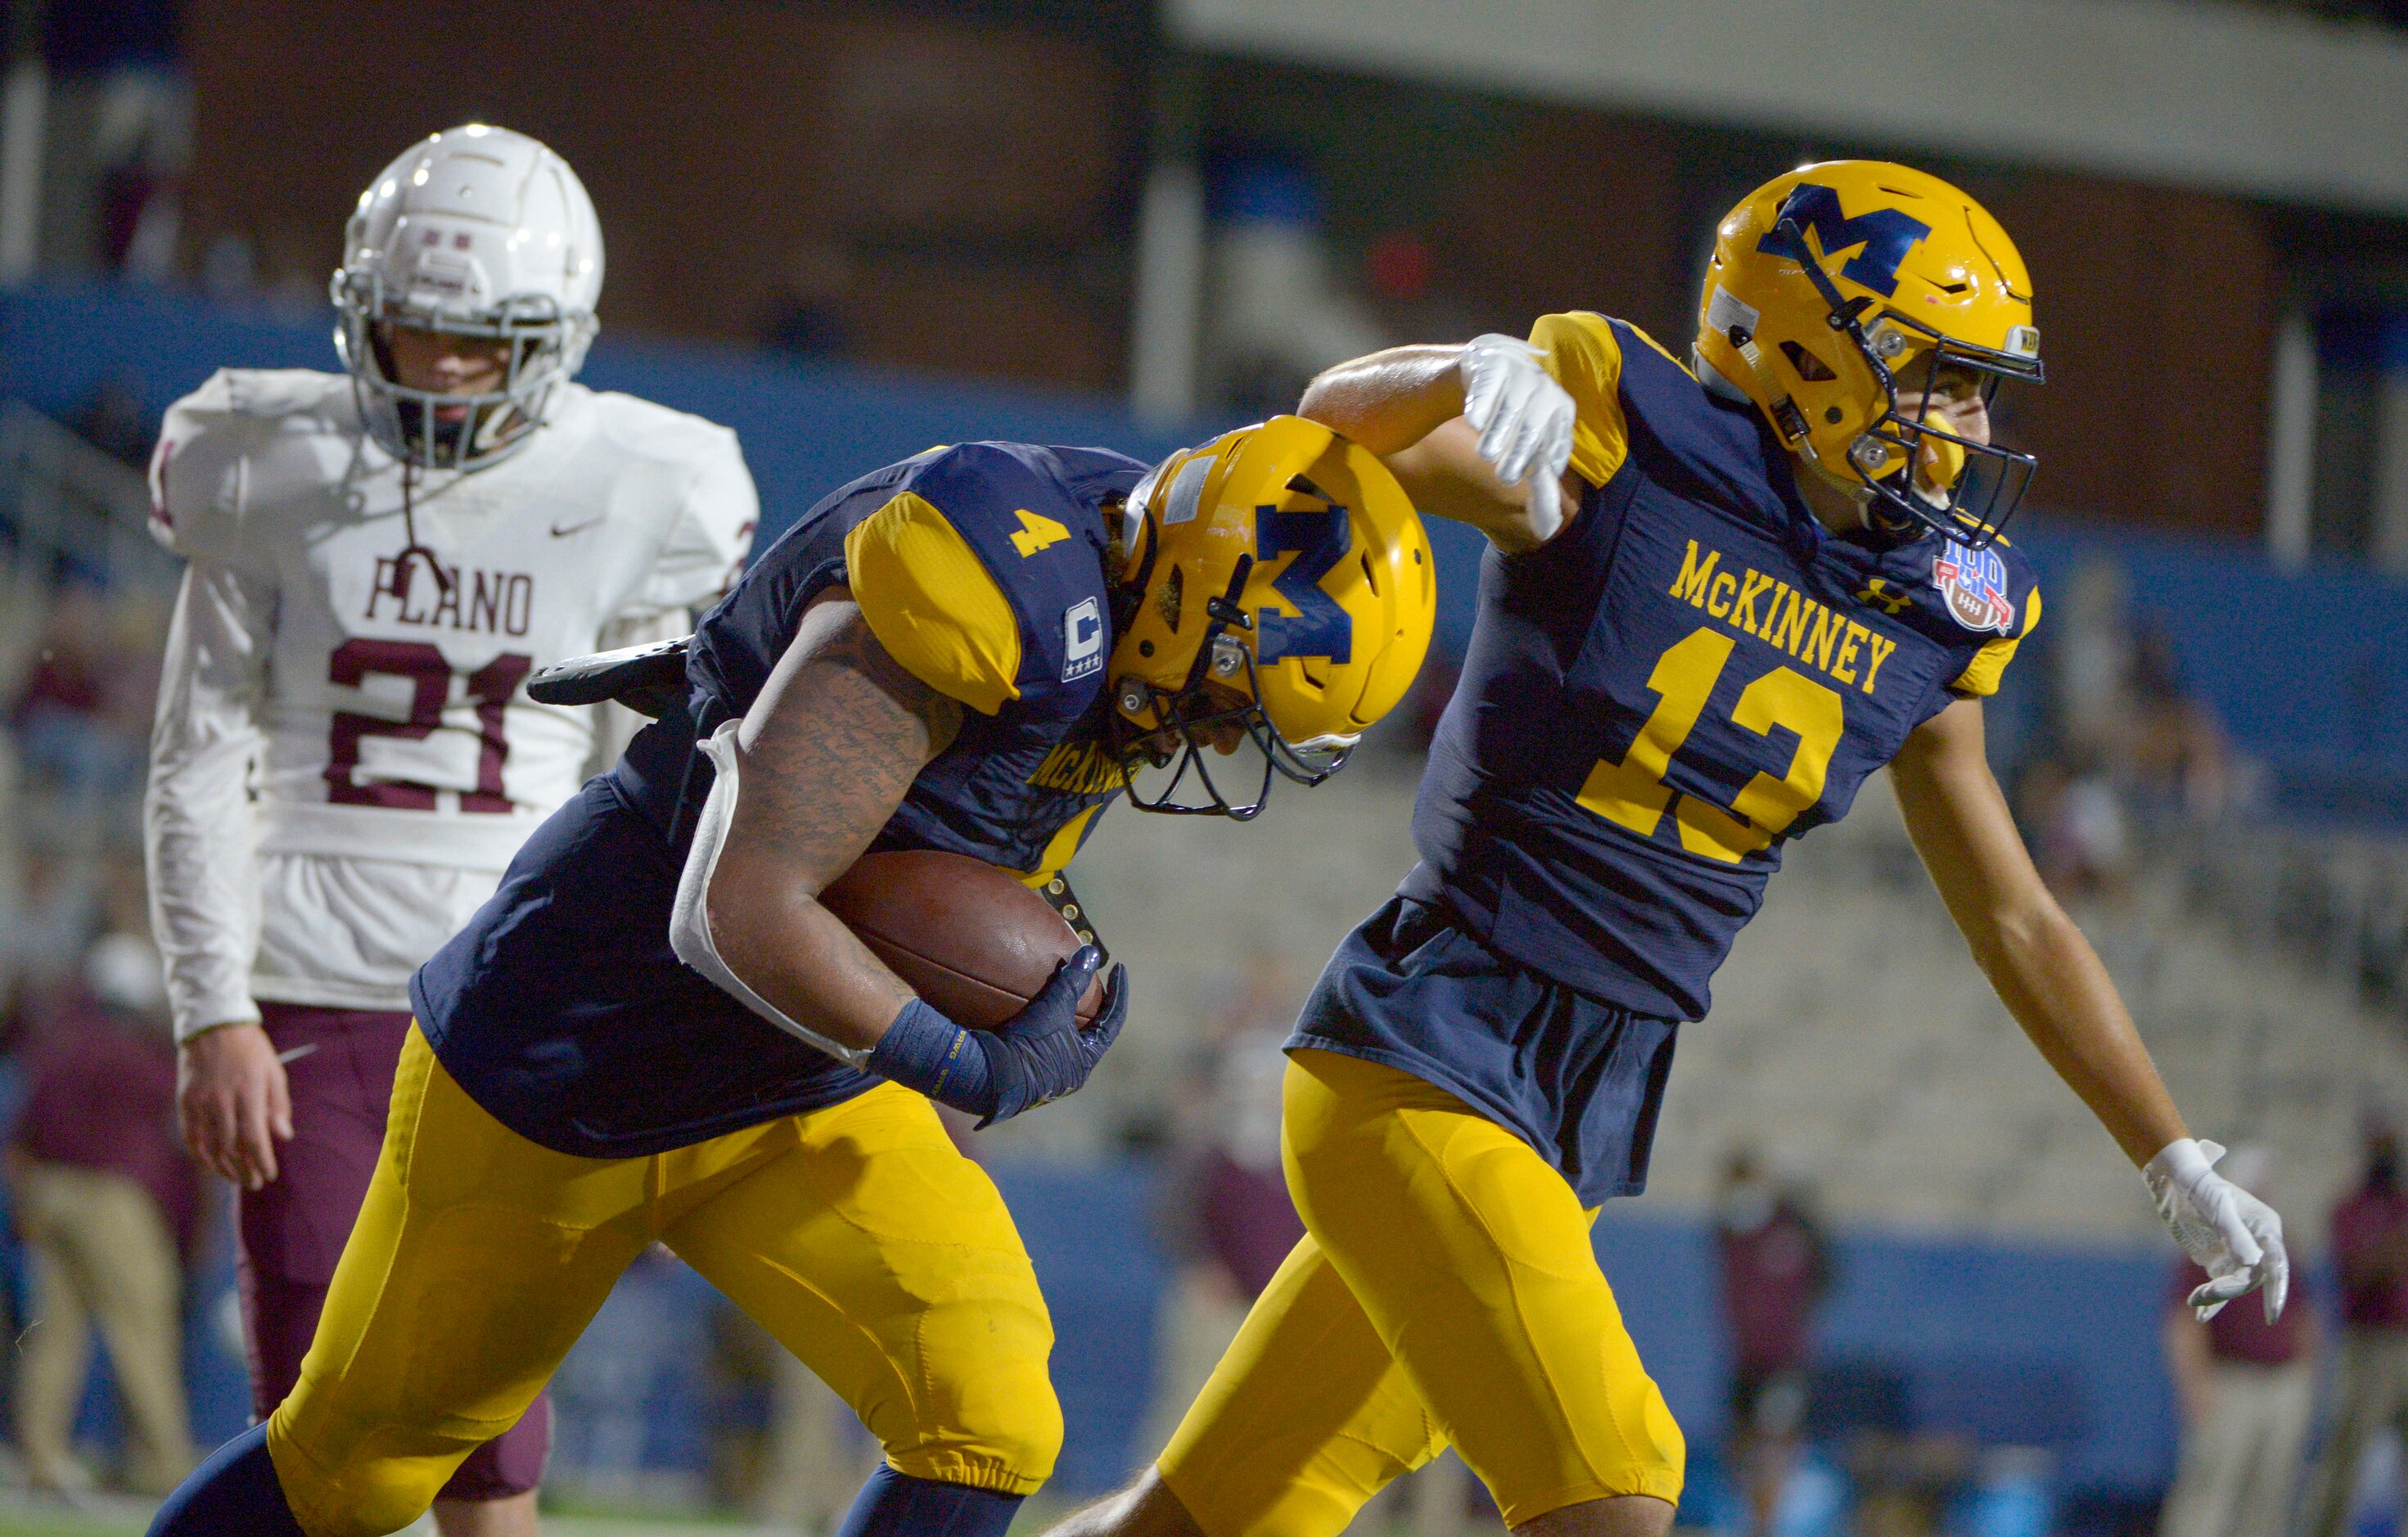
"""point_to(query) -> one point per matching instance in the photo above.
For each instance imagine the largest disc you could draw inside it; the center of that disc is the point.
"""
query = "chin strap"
(412, 549)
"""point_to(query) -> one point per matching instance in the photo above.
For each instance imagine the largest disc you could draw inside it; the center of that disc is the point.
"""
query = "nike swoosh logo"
(560, 533)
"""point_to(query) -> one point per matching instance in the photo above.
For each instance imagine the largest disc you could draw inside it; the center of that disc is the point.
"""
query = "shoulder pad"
(1585, 354)
(933, 603)
(2010, 587)
(654, 431)
(208, 438)
(197, 471)
(1042, 541)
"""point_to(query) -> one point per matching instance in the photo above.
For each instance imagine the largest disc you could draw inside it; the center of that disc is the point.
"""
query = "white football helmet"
(476, 231)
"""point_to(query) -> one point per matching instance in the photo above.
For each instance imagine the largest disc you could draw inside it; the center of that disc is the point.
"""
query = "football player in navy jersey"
(653, 1032)
(1719, 595)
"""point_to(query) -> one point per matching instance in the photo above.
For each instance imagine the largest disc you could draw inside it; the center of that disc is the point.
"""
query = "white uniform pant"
(2370, 1394)
(2240, 1462)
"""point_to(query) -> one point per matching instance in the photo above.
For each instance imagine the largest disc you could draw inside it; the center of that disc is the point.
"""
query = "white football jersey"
(345, 757)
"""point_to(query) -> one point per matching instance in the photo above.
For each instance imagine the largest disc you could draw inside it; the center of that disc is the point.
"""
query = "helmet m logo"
(1886, 234)
(1320, 625)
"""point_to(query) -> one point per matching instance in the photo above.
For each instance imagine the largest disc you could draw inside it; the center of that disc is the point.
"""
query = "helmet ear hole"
(1172, 598)
(1813, 369)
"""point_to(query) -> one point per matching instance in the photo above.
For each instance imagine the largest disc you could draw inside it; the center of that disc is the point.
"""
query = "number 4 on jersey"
(1037, 533)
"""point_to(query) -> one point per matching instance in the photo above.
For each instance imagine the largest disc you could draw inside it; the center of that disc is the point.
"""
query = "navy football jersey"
(561, 1008)
(1693, 672)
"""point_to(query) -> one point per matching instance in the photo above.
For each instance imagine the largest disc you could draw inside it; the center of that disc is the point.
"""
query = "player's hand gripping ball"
(1011, 1012)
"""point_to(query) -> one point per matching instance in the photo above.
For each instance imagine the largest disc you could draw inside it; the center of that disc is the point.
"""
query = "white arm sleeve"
(690, 919)
(701, 559)
(705, 550)
(196, 823)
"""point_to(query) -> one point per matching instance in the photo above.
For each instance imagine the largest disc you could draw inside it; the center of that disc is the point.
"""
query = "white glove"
(2231, 1234)
(1525, 420)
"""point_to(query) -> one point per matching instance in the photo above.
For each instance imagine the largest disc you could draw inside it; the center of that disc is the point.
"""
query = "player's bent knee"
(355, 1495)
(1015, 1446)
(369, 1507)
(1004, 1435)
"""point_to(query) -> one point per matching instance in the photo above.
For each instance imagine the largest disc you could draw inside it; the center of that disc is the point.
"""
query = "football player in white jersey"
(344, 759)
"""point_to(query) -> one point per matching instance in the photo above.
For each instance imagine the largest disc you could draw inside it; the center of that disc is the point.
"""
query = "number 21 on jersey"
(430, 676)
(1632, 792)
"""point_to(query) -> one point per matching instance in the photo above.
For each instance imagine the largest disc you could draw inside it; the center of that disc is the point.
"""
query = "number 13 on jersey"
(1632, 792)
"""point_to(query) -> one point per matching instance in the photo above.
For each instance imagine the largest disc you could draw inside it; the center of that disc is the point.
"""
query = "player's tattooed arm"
(827, 754)
(2045, 972)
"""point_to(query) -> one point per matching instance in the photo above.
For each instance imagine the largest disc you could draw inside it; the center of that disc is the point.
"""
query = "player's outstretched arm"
(1479, 433)
(2052, 982)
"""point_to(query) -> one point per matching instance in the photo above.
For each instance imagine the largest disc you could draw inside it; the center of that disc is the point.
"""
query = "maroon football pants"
(339, 1064)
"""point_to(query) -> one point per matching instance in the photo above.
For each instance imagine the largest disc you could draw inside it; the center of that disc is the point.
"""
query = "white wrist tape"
(2181, 1165)
(690, 919)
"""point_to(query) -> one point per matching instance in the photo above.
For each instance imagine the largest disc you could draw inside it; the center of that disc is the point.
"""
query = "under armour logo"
(1877, 590)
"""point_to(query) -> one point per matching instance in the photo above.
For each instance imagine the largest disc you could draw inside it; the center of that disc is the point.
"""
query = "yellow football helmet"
(1839, 286)
(1277, 586)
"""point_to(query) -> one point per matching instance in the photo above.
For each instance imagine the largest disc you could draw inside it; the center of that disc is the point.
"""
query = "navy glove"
(1039, 1053)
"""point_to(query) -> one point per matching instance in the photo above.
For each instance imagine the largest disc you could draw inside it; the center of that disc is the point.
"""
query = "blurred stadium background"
(851, 229)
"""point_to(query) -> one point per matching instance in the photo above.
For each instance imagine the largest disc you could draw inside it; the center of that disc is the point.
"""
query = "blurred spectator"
(79, 717)
(815, 1454)
(107, 1205)
(2245, 1388)
(57, 915)
(2080, 835)
(115, 421)
(2369, 1239)
(1774, 1270)
(1226, 1205)
(1279, 312)
(119, 80)
(786, 1450)
(2121, 740)
(2091, 654)
(2178, 757)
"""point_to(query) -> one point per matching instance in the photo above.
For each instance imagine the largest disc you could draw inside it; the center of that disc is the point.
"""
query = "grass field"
(21, 1517)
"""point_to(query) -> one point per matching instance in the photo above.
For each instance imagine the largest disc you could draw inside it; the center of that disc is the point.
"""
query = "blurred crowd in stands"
(2115, 766)
(2115, 754)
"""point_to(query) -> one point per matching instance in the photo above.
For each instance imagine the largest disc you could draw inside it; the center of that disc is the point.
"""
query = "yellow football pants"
(1445, 1292)
(858, 1235)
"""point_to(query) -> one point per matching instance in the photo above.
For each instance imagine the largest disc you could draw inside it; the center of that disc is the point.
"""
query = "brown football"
(967, 935)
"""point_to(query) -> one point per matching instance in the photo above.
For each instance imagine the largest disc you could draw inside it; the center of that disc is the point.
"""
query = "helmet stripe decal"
(1887, 235)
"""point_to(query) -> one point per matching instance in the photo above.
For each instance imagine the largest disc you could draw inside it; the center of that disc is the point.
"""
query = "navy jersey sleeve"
(1994, 594)
(982, 576)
